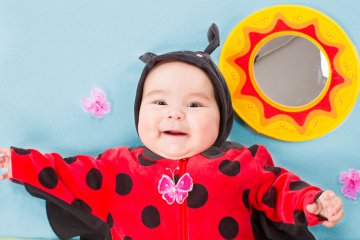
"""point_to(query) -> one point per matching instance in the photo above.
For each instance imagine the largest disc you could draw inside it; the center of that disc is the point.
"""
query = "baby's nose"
(176, 115)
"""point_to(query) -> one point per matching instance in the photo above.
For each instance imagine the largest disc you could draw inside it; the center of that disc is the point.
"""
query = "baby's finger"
(329, 224)
(4, 176)
(4, 151)
(329, 194)
(332, 206)
(314, 208)
(4, 163)
(336, 205)
(332, 221)
(4, 157)
(337, 216)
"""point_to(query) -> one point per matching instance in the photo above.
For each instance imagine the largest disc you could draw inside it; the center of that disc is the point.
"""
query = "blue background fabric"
(54, 52)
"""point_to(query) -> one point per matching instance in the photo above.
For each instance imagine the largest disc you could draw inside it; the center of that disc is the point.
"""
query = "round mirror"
(291, 70)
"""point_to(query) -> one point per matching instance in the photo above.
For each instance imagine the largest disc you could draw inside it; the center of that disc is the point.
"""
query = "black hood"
(202, 60)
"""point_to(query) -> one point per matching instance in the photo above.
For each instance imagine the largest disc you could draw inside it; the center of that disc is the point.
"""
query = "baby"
(187, 182)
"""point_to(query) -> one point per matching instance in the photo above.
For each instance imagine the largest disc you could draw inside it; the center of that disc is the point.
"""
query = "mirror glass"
(291, 70)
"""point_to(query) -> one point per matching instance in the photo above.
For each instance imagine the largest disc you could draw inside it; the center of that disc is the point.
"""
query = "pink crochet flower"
(97, 104)
(351, 183)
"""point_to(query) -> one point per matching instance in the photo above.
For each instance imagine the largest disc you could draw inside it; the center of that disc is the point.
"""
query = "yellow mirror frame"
(267, 117)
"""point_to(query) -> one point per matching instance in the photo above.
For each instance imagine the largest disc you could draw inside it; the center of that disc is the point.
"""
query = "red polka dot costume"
(237, 194)
(226, 192)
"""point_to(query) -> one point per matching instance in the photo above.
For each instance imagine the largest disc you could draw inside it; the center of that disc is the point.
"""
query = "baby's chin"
(175, 152)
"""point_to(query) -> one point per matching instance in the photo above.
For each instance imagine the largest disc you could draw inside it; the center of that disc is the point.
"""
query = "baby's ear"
(147, 56)
(213, 37)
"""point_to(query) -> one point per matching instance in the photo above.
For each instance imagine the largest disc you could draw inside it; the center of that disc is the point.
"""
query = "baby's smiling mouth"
(174, 133)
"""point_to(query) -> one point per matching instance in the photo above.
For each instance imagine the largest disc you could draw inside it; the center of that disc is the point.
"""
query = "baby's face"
(179, 116)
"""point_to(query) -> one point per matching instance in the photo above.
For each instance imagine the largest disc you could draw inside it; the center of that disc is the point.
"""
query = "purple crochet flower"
(351, 183)
(97, 104)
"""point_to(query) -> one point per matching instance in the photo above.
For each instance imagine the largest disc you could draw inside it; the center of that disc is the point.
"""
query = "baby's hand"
(329, 206)
(4, 162)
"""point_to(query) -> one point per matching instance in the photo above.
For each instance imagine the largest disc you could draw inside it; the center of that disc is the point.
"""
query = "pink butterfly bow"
(172, 192)
(97, 105)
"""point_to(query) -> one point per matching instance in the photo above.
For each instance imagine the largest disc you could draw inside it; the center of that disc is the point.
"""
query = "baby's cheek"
(148, 129)
(209, 127)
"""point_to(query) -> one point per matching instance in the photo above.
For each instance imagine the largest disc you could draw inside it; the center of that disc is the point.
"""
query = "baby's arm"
(78, 188)
(79, 178)
(282, 195)
(329, 206)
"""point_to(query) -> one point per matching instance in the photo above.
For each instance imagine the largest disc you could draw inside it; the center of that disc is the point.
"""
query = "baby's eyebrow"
(189, 95)
(199, 95)
(154, 92)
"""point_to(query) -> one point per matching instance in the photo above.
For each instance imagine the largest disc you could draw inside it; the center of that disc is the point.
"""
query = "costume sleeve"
(281, 197)
(78, 190)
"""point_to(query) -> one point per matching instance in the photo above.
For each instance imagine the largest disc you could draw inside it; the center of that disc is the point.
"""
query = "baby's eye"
(160, 102)
(195, 105)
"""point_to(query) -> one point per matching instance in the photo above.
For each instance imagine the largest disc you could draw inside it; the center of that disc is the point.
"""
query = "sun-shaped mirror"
(292, 72)
(296, 65)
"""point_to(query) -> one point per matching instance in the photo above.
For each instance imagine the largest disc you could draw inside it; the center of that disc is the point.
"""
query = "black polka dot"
(70, 160)
(298, 185)
(269, 197)
(150, 217)
(197, 197)
(21, 151)
(275, 170)
(253, 149)
(213, 152)
(110, 220)
(127, 238)
(228, 228)
(300, 218)
(144, 162)
(230, 168)
(94, 179)
(124, 184)
(48, 178)
(245, 198)
(81, 205)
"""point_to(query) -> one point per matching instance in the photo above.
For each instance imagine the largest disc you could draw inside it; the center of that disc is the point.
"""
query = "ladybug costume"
(228, 191)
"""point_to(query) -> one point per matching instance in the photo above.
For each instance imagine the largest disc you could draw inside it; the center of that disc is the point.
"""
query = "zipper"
(183, 206)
